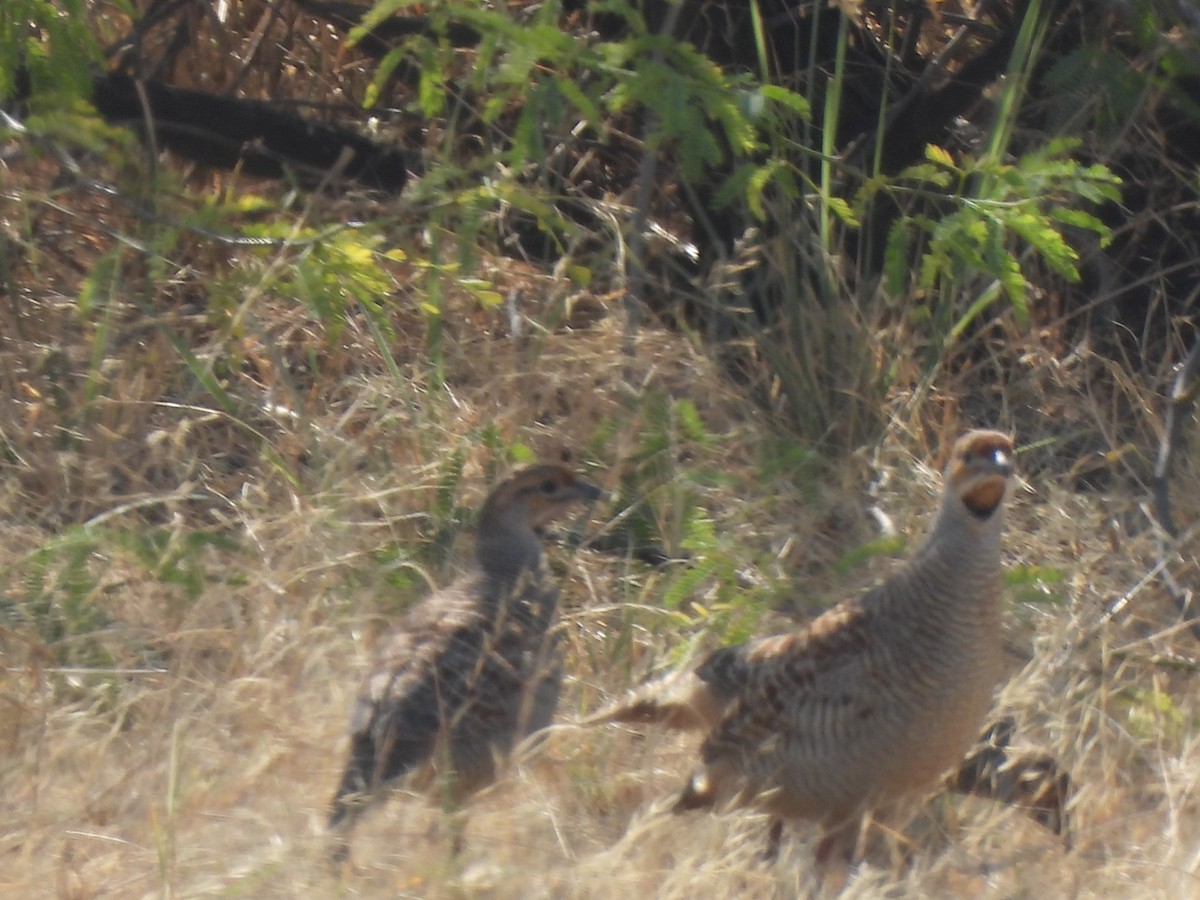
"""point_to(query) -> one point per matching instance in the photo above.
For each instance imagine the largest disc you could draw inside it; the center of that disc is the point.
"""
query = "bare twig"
(1183, 393)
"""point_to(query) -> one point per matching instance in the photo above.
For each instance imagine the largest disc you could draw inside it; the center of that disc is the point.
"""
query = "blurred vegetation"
(202, 308)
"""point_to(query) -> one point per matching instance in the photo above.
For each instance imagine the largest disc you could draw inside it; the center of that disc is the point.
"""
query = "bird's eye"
(549, 486)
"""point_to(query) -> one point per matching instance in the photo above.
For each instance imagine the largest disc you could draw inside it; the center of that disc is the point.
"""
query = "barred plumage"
(878, 697)
(474, 667)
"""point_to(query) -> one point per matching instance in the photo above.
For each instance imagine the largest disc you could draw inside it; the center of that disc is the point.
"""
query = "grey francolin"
(878, 697)
(474, 667)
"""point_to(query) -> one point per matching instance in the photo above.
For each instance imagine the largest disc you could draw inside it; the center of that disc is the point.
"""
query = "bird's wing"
(461, 667)
(420, 677)
(800, 686)
(513, 688)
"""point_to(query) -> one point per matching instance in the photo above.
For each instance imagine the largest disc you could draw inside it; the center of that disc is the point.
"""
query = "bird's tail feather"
(681, 701)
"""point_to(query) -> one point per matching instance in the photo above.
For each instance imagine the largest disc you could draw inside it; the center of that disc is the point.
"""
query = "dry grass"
(206, 770)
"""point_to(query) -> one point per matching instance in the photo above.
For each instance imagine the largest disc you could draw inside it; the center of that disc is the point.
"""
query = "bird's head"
(534, 497)
(979, 470)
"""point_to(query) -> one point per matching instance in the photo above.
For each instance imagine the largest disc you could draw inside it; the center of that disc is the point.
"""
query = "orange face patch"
(983, 499)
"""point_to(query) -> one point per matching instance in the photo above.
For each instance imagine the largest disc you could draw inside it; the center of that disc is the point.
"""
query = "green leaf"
(928, 174)
(689, 419)
(1023, 575)
(521, 453)
(888, 546)
(1048, 241)
(1015, 287)
(1080, 219)
(789, 99)
(937, 155)
(842, 210)
(897, 258)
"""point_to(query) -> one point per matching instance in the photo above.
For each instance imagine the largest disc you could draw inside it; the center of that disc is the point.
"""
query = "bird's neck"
(959, 559)
(504, 550)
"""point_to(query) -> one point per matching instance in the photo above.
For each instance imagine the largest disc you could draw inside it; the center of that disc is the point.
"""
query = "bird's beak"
(588, 491)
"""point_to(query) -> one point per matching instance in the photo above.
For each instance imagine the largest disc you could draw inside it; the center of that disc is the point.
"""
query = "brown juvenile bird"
(876, 698)
(472, 669)
(1031, 780)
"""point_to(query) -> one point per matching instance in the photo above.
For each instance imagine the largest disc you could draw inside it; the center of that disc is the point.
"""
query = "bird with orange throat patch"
(879, 697)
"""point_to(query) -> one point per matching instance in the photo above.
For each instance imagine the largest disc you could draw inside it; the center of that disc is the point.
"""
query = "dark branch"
(229, 132)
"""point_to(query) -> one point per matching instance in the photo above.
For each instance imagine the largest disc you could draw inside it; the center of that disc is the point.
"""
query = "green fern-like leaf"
(1037, 229)
(683, 586)
(897, 260)
(888, 546)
